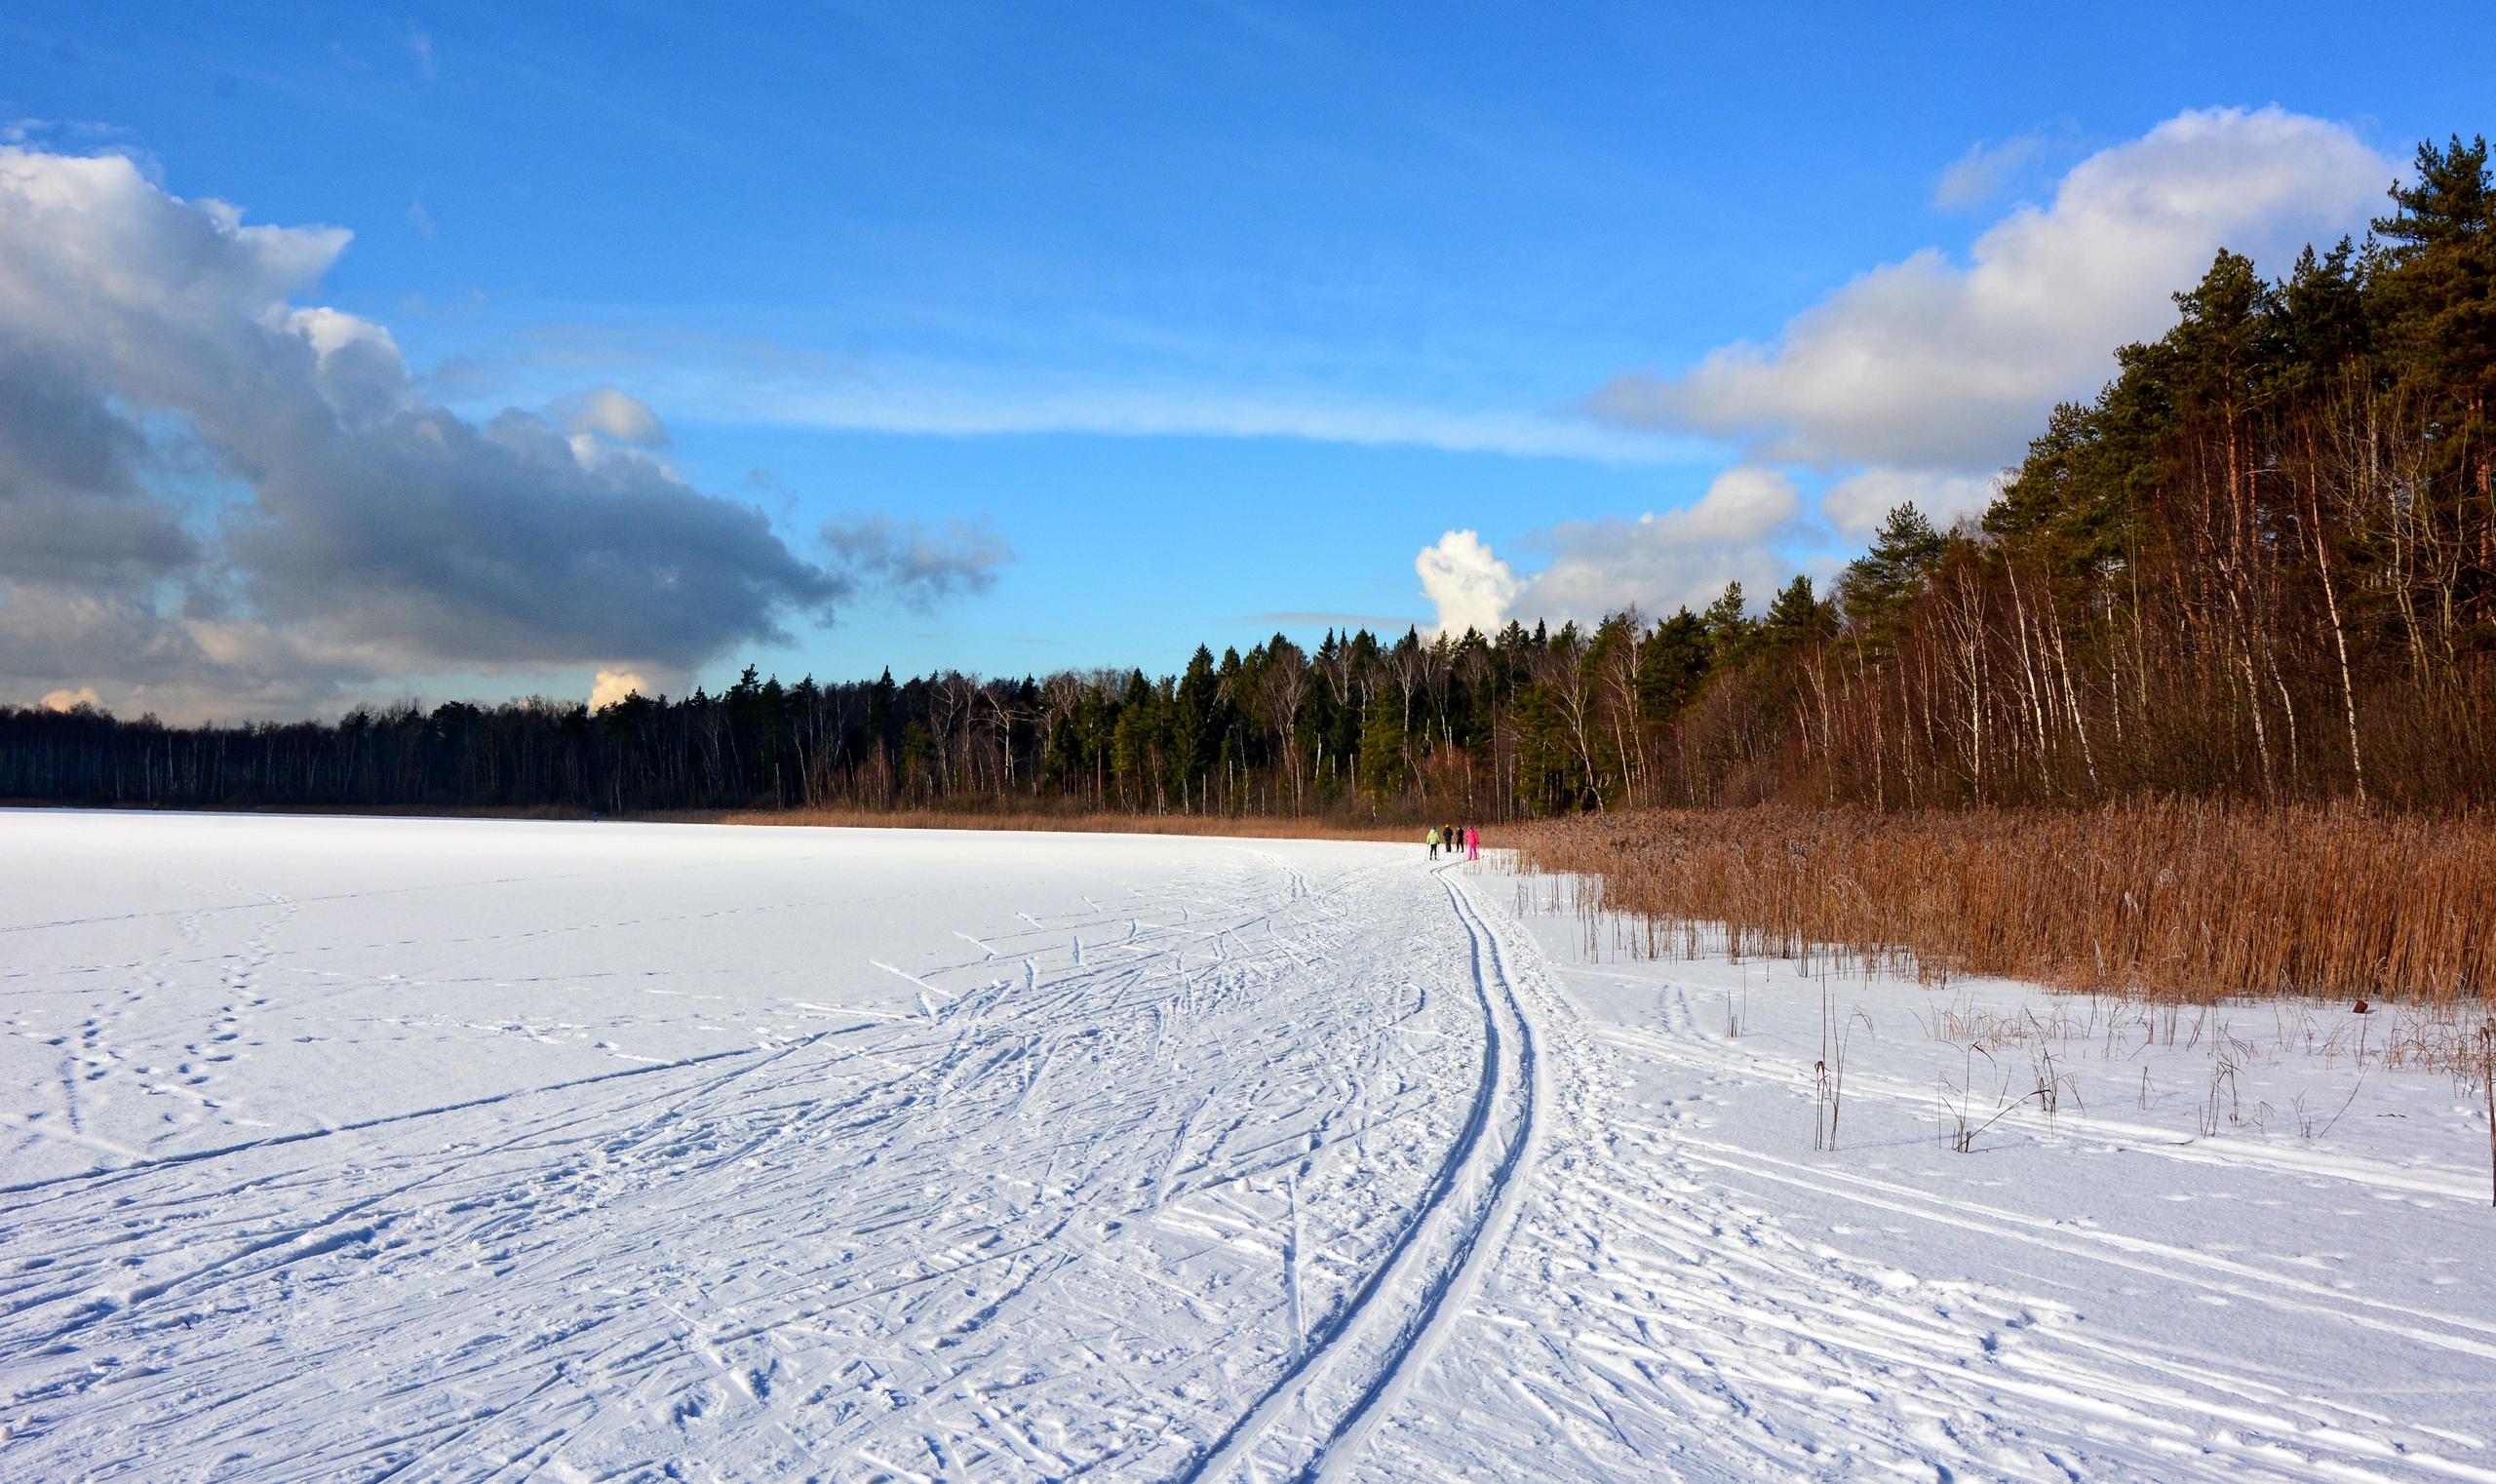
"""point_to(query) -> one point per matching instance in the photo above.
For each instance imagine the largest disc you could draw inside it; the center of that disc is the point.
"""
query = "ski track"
(1260, 1163)
(1664, 1311)
(1317, 1416)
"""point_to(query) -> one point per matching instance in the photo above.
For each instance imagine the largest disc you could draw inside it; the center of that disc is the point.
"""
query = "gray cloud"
(207, 493)
(72, 503)
(913, 563)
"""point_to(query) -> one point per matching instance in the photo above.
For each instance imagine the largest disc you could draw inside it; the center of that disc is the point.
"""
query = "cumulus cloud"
(1471, 587)
(623, 418)
(1661, 562)
(1855, 506)
(614, 685)
(207, 492)
(1930, 364)
(918, 565)
(1657, 562)
(1920, 380)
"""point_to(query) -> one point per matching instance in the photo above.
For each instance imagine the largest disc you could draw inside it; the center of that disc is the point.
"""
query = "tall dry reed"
(2178, 900)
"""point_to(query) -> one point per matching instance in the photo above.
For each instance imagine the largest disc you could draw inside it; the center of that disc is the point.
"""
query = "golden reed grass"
(2173, 901)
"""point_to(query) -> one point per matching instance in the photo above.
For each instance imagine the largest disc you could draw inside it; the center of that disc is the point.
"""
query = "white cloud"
(613, 685)
(1981, 174)
(1662, 561)
(71, 700)
(1470, 587)
(1855, 506)
(1927, 364)
(621, 416)
(742, 383)
(1657, 562)
(909, 404)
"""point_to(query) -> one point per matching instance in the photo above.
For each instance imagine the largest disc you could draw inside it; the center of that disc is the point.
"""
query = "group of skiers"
(1465, 839)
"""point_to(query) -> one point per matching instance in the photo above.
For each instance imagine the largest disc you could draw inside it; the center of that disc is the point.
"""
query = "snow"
(345, 1148)
(2115, 1291)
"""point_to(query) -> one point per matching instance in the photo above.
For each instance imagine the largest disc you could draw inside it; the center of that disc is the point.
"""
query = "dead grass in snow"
(2183, 901)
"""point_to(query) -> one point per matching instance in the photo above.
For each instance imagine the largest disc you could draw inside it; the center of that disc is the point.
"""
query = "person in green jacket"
(1434, 841)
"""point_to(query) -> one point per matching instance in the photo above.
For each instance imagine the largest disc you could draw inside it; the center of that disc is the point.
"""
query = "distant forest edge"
(2260, 566)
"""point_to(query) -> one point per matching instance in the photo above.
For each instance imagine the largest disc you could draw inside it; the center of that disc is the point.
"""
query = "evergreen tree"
(1382, 745)
(1796, 618)
(1730, 627)
(1876, 587)
(1672, 664)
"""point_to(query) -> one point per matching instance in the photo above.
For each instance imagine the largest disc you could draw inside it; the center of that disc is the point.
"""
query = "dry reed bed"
(2171, 901)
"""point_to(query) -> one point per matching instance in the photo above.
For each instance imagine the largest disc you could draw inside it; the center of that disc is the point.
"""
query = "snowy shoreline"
(341, 1146)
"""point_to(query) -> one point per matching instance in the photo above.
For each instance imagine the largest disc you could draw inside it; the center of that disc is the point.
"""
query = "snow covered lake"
(352, 1148)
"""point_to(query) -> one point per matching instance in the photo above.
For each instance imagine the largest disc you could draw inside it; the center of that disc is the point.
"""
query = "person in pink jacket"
(1473, 843)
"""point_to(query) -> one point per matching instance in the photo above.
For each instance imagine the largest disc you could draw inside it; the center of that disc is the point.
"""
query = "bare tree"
(1282, 688)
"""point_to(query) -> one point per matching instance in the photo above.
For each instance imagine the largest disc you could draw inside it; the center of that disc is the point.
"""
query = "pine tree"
(2432, 281)
(1730, 628)
(1795, 618)
(1382, 745)
(1876, 588)
(1672, 664)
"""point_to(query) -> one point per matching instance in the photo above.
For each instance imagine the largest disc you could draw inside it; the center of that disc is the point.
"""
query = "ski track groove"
(1655, 1317)
(1480, 1178)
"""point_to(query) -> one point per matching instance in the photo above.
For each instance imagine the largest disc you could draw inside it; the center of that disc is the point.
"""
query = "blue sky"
(1210, 313)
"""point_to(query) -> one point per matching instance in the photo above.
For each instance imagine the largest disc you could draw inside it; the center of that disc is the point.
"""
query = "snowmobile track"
(1390, 1326)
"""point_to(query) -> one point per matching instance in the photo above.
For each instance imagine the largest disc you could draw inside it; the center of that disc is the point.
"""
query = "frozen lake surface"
(348, 1148)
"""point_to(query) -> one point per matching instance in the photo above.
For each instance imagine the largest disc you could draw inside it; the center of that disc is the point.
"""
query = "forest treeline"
(2260, 566)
